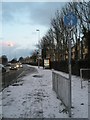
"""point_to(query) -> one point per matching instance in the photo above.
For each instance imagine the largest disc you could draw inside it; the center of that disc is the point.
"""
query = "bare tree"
(56, 39)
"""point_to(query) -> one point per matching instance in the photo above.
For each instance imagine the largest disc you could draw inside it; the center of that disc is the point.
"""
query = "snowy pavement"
(32, 97)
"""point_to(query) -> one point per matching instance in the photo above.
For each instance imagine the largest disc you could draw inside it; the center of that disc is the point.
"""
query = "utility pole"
(10, 44)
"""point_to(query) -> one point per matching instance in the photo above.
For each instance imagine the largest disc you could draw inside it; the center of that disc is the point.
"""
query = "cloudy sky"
(19, 22)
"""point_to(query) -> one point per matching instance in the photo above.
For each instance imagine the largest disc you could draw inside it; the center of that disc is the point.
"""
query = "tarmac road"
(11, 75)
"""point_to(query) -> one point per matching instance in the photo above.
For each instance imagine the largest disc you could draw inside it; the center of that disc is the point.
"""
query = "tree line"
(55, 41)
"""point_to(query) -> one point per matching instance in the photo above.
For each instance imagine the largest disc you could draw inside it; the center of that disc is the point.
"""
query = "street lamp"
(38, 41)
(10, 45)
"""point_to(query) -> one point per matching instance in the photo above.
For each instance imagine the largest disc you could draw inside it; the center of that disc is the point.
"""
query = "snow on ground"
(79, 97)
(33, 97)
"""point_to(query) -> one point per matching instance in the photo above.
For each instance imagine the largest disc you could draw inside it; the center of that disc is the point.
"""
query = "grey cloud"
(7, 15)
(23, 52)
(39, 12)
(9, 9)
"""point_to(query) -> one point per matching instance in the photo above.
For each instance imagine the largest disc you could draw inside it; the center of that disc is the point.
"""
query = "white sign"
(46, 62)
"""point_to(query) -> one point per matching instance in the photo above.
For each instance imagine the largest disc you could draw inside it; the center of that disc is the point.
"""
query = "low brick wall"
(61, 87)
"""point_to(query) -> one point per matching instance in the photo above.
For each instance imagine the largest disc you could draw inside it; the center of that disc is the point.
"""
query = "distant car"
(2, 68)
(14, 66)
(8, 65)
(20, 65)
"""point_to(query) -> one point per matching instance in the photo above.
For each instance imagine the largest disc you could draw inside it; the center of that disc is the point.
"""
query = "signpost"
(47, 63)
(70, 20)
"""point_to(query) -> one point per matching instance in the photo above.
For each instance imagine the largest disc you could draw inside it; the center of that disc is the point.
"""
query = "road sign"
(70, 19)
(47, 63)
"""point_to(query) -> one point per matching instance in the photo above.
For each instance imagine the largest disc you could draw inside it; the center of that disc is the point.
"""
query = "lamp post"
(38, 41)
(10, 45)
